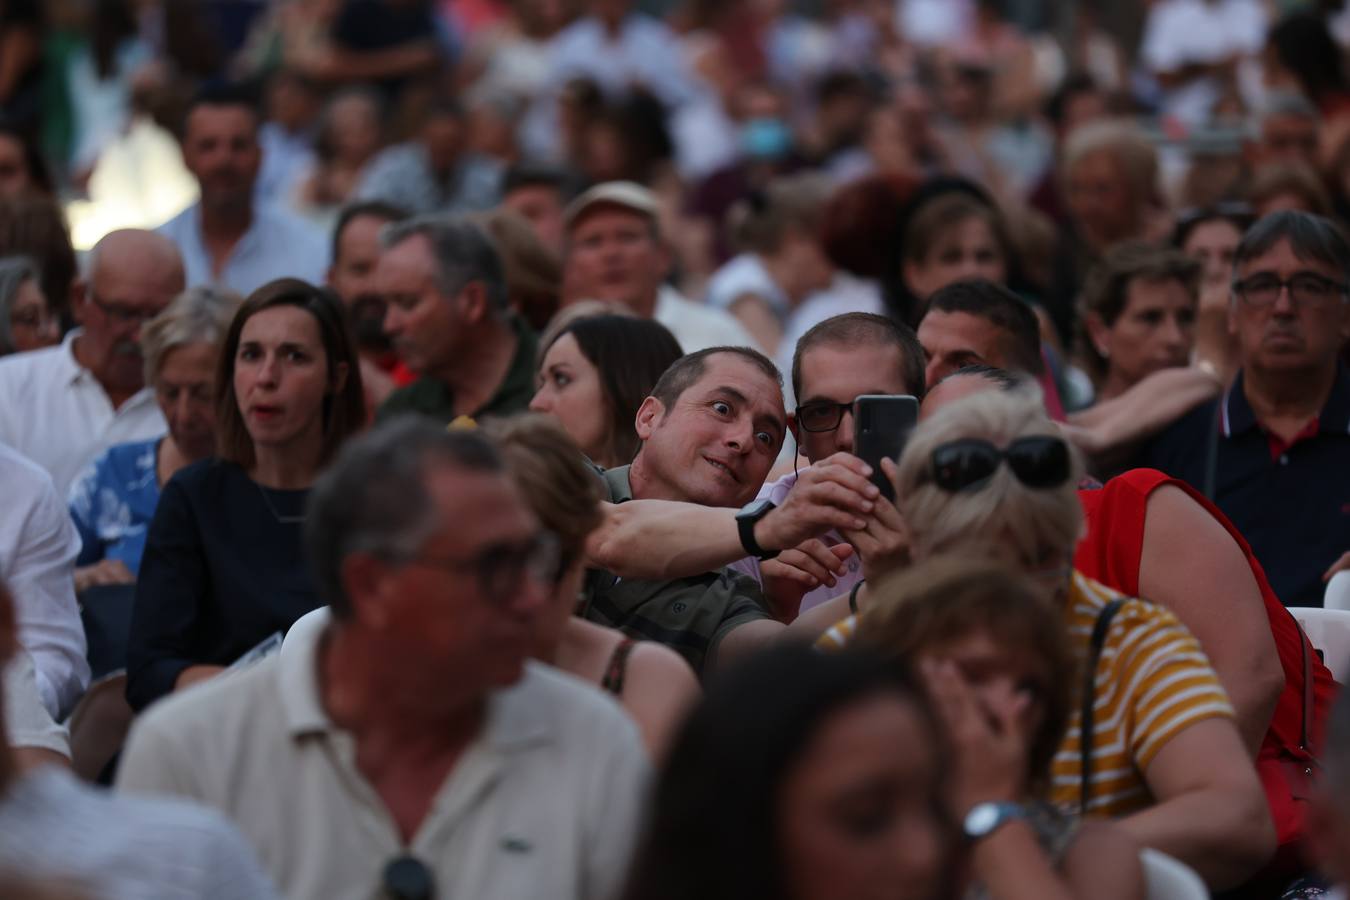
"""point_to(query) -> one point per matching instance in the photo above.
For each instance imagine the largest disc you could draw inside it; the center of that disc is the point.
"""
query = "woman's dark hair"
(1305, 47)
(39, 173)
(630, 354)
(113, 22)
(344, 411)
(713, 832)
(33, 225)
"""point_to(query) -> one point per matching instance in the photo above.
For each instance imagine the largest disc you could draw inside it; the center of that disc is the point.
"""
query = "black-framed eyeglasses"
(501, 567)
(407, 878)
(1262, 290)
(123, 315)
(821, 416)
(1038, 462)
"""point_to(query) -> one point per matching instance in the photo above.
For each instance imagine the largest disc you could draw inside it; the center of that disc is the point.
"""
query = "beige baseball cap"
(626, 194)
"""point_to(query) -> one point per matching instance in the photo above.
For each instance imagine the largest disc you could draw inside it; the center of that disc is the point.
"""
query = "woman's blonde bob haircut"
(1030, 522)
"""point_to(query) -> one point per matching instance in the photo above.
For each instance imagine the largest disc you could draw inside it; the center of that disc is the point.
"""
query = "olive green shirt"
(688, 615)
(433, 397)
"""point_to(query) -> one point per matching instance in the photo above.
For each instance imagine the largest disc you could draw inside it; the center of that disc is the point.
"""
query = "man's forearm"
(662, 539)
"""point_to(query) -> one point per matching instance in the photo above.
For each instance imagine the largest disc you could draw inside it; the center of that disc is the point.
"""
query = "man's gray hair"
(14, 271)
(373, 498)
(198, 315)
(463, 251)
(1311, 237)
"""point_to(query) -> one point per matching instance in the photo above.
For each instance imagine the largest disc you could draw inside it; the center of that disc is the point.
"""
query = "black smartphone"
(881, 425)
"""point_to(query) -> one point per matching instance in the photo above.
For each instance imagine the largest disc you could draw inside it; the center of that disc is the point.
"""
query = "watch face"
(980, 819)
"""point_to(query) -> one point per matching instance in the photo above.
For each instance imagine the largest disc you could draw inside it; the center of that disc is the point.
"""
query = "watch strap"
(745, 527)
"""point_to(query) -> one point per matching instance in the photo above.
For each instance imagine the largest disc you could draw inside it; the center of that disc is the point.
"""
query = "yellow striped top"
(1152, 682)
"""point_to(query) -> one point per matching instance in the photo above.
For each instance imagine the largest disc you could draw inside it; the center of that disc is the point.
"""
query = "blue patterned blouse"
(113, 501)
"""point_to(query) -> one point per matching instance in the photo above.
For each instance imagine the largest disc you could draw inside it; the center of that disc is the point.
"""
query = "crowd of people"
(430, 457)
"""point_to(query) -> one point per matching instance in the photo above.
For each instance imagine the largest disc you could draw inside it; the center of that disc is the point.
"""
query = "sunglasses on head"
(1038, 462)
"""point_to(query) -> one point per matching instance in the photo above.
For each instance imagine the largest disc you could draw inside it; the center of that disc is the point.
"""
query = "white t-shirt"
(698, 327)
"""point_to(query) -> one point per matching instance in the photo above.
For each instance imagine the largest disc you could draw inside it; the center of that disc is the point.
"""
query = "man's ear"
(792, 427)
(363, 581)
(648, 415)
(79, 293)
(1098, 334)
(473, 302)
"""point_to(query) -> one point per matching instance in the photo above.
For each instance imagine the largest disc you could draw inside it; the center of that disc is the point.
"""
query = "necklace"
(282, 520)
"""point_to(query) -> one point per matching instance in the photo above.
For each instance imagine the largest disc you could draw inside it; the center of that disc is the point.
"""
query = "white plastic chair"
(1168, 879)
(1329, 631)
(1338, 592)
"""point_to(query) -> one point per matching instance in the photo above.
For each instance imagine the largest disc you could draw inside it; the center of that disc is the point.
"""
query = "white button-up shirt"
(543, 805)
(54, 411)
(38, 546)
(276, 245)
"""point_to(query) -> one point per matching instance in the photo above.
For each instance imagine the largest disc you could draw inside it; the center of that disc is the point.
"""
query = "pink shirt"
(777, 492)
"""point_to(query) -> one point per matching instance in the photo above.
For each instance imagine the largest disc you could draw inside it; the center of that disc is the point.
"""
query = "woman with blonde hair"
(652, 682)
(1157, 748)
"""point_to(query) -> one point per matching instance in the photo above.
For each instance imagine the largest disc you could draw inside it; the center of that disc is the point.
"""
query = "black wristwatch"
(746, 520)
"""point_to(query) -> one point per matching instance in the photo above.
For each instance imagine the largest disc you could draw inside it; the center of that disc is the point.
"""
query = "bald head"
(132, 276)
(147, 251)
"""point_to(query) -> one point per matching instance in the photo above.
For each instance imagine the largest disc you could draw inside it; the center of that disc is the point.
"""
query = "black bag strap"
(1087, 723)
(1304, 741)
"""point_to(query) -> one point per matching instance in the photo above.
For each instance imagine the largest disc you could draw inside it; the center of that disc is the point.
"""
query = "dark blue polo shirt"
(1292, 503)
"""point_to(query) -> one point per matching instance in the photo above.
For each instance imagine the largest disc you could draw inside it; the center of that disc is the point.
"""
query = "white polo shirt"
(545, 803)
(54, 411)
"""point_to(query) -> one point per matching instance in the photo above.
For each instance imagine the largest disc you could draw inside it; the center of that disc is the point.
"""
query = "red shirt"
(1111, 554)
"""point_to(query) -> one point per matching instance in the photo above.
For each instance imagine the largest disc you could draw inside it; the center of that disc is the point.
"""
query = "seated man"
(710, 432)
(407, 738)
(1272, 452)
(835, 362)
(447, 314)
(54, 828)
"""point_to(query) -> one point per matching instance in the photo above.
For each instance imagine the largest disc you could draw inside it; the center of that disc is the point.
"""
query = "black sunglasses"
(407, 878)
(1038, 462)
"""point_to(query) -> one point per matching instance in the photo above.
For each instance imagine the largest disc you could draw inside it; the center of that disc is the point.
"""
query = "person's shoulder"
(288, 228)
(223, 709)
(32, 364)
(19, 469)
(130, 458)
(177, 224)
(206, 475)
(574, 708)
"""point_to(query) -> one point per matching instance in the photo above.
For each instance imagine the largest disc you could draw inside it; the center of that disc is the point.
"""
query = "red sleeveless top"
(1111, 553)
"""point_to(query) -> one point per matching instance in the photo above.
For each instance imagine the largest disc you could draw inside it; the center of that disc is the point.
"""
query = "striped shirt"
(1152, 683)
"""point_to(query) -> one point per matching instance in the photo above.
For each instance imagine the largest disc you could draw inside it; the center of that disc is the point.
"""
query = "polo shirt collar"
(513, 721)
(1238, 417)
(620, 488)
(74, 371)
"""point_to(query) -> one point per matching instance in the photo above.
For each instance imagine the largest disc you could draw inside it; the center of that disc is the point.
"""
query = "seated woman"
(114, 499)
(1138, 315)
(805, 775)
(26, 321)
(653, 683)
(782, 259)
(1166, 757)
(223, 569)
(594, 373)
(1001, 670)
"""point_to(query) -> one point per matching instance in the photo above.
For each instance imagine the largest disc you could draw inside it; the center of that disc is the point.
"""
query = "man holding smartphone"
(836, 362)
